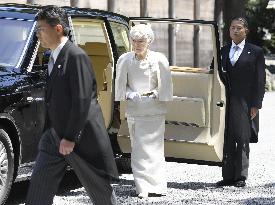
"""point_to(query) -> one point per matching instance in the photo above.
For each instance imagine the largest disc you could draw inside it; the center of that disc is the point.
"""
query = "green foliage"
(261, 22)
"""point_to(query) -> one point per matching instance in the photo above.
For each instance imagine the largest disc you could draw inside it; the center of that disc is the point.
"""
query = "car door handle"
(220, 103)
(39, 99)
(29, 99)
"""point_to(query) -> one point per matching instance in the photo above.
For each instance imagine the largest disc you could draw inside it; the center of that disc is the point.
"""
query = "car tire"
(6, 165)
(124, 165)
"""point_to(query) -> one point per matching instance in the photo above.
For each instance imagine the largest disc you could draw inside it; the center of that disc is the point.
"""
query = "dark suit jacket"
(247, 76)
(246, 79)
(73, 110)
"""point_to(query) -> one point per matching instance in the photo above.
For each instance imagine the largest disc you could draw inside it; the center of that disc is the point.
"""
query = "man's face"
(237, 31)
(47, 34)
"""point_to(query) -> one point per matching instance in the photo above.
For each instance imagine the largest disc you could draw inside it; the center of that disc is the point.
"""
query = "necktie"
(50, 64)
(234, 57)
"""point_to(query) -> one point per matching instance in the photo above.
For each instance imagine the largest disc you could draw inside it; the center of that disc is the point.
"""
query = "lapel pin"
(59, 66)
(248, 52)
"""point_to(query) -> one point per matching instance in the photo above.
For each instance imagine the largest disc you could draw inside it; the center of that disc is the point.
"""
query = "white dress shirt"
(56, 52)
(235, 52)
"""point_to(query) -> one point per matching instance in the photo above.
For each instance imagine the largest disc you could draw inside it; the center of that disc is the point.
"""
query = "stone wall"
(41, 2)
(157, 8)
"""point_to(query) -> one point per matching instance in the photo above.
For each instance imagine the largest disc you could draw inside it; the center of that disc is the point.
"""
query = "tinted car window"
(120, 33)
(13, 40)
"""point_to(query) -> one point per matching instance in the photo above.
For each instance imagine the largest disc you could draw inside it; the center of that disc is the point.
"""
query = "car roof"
(28, 12)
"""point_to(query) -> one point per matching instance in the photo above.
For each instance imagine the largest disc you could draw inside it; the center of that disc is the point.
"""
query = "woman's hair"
(142, 31)
(54, 15)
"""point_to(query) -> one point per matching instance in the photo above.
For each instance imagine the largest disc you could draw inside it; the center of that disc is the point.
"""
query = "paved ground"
(192, 184)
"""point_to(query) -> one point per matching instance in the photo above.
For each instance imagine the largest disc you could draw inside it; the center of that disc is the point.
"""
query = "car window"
(88, 32)
(14, 35)
(120, 33)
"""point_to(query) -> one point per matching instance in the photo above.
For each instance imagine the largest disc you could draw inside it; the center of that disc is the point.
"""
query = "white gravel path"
(195, 184)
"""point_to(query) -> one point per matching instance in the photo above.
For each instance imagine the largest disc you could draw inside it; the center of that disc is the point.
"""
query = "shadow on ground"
(19, 190)
(191, 185)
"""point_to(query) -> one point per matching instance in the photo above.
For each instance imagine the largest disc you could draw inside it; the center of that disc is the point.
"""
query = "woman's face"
(140, 46)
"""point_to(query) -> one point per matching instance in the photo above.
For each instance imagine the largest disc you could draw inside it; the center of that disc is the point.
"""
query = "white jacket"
(158, 61)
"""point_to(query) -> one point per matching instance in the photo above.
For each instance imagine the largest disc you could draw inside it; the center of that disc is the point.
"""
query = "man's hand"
(66, 147)
(253, 112)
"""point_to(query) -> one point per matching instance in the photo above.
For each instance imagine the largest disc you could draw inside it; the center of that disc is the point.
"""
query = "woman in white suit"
(143, 79)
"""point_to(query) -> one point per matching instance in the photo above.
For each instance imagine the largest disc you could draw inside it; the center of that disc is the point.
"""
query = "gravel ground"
(195, 184)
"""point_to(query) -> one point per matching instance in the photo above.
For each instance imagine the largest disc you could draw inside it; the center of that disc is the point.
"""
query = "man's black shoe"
(225, 183)
(240, 183)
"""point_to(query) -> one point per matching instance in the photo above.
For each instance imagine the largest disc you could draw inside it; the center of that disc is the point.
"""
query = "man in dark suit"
(74, 115)
(245, 68)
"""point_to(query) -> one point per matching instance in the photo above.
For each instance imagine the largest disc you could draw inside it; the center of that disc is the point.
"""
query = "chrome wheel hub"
(3, 166)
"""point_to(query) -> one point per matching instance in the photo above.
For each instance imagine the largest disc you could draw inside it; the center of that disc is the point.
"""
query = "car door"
(90, 34)
(21, 86)
(35, 68)
(195, 121)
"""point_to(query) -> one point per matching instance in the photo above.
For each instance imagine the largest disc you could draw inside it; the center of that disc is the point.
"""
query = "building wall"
(41, 2)
(184, 9)
(156, 8)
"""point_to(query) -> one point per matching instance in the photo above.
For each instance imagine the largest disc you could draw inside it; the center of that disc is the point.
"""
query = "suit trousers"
(236, 147)
(49, 170)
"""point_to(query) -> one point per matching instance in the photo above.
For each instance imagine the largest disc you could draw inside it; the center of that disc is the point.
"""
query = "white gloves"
(135, 96)
(152, 96)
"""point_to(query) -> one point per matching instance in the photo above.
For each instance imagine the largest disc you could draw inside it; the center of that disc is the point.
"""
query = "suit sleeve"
(81, 85)
(259, 82)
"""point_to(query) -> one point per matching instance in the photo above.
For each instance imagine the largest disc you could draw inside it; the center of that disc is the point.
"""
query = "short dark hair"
(241, 19)
(54, 15)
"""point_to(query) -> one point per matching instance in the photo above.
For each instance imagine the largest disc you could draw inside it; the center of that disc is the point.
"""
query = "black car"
(196, 117)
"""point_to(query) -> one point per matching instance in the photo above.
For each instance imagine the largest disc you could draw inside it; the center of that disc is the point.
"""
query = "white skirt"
(147, 157)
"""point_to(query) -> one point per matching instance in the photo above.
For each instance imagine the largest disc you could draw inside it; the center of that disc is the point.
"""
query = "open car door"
(195, 121)
(90, 34)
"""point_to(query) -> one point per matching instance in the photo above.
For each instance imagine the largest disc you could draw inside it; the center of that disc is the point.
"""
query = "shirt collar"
(240, 45)
(56, 51)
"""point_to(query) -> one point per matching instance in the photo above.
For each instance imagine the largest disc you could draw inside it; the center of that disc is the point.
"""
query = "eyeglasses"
(39, 29)
(139, 41)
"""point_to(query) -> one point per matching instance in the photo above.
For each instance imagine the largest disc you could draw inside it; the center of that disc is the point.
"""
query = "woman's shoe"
(143, 195)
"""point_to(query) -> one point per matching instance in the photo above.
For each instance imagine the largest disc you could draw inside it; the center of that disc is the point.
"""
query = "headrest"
(96, 48)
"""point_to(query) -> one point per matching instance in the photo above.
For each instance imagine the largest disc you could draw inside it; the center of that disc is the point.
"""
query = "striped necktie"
(50, 64)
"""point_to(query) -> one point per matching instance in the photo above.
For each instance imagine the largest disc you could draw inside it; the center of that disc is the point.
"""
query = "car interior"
(92, 37)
